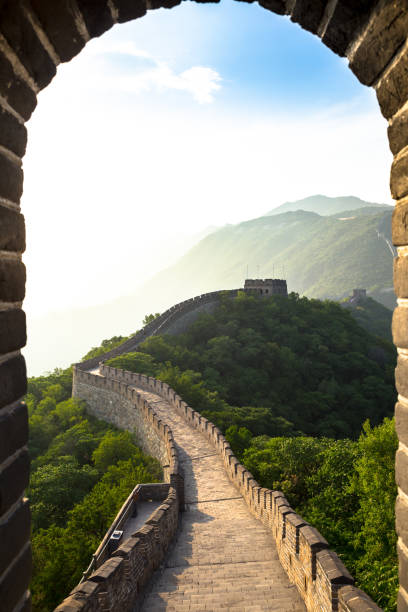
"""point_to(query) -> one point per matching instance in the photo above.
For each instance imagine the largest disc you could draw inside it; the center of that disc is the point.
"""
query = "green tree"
(114, 447)
(54, 489)
(149, 318)
(239, 439)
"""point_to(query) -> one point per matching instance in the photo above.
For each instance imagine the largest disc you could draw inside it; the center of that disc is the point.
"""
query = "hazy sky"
(201, 115)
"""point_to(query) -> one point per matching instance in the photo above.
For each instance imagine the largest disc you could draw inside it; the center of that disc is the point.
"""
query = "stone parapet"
(322, 580)
(167, 322)
(118, 581)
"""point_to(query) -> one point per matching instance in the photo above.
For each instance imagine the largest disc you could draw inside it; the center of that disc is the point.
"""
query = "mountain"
(320, 256)
(325, 206)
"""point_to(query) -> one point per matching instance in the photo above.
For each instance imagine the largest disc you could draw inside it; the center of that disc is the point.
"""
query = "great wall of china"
(234, 538)
(38, 35)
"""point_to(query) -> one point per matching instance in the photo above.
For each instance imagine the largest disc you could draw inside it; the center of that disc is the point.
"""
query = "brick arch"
(35, 36)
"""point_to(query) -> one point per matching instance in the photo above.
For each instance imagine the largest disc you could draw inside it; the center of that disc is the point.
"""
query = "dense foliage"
(372, 316)
(272, 374)
(279, 366)
(344, 488)
(82, 471)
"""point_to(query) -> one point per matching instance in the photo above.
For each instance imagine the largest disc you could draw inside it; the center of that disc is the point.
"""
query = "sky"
(199, 116)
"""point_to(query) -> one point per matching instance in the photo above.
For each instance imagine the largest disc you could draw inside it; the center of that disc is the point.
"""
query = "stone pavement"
(224, 558)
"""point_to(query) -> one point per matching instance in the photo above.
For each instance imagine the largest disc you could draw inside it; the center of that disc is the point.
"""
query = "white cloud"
(123, 67)
(199, 81)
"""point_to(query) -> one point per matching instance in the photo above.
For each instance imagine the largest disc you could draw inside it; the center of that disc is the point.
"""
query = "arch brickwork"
(35, 36)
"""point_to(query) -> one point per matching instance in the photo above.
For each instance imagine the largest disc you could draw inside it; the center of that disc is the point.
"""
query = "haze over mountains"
(320, 256)
(325, 206)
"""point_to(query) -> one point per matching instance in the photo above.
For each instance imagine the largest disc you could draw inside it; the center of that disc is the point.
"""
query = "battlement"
(321, 579)
(266, 287)
(360, 294)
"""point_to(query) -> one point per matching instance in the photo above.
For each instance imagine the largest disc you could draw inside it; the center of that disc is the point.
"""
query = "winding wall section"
(223, 558)
(173, 321)
(35, 37)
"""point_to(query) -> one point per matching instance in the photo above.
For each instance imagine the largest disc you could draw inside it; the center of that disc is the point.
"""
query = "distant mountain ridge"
(323, 257)
(320, 256)
(325, 206)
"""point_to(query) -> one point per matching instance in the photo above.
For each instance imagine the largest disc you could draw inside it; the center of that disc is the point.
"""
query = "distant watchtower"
(266, 287)
(359, 294)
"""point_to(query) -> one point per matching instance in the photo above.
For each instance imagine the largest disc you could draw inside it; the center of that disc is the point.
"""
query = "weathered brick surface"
(401, 470)
(400, 327)
(401, 417)
(97, 16)
(400, 223)
(14, 535)
(59, 19)
(401, 514)
(13, 430)
(352, 599)
(309, 13)
(11, 179)
(392, 88)
(15, 582)
(277, 6)
(386, 33)
(401, 380)
(13, 480)
(399, 175)
(156, 4)
(345, 22)
(104, 403)
(403, 567)
(130, 9)
(12, 230)
(15, 90)
(13, 381)
(398, 131)
(402, 601)
(401, 277)
(22, 38)
(12, 280)
(12, 330)
(27, 607)
(85, 598)
(13, 134)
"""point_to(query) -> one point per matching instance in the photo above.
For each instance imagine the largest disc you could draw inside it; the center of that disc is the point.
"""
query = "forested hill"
(277, 366)
(269, 371)
(320, 256)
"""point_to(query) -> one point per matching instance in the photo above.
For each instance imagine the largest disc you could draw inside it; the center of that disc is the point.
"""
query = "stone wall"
(124, 410)
(175, 320)
(36, 36)
(118, 583)
(320, 576)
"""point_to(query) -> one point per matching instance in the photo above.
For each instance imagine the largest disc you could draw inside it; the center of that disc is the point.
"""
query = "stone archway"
(35, 36)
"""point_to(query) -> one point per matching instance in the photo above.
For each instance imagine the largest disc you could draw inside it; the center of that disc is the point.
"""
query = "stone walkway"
(224, 558)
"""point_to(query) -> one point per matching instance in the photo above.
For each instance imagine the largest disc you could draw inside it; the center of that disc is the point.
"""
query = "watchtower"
(266, 287)
(359, 294)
